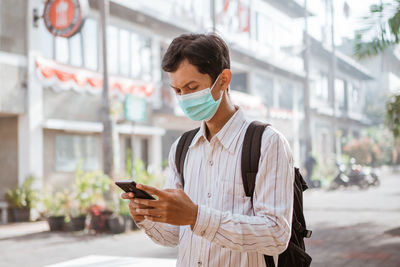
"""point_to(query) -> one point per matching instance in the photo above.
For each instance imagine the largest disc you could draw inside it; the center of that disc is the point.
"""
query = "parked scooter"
(341, 179)
(356, 176)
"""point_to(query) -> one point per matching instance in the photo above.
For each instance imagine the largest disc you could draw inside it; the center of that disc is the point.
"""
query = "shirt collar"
(228, 134)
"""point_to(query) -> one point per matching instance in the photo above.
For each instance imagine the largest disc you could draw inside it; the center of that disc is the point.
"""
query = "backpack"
(295, 254)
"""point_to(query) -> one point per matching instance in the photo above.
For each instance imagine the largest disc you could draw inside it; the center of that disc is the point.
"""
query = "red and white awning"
(65, 77)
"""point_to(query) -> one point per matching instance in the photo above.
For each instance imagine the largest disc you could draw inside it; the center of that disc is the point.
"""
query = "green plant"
(323, 170)
(128, 163)
(364, 150)
(118, 205)
(392, 117)
(57, 204)
(89, 189)
(24, 196)
(381, 31)
(143, 176)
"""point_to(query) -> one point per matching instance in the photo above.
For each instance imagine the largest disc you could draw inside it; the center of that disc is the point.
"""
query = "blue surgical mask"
(200, 105)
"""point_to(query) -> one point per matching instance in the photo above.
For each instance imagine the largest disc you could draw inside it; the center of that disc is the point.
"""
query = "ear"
(225, 79)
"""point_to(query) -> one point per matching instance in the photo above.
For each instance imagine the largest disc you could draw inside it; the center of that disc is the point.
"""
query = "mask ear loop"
(219, 100)
(212, 87)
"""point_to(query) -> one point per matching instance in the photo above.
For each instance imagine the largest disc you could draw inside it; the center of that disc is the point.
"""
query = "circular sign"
(62, 17)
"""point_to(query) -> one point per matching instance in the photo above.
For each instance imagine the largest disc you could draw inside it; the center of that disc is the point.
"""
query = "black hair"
(207, 52)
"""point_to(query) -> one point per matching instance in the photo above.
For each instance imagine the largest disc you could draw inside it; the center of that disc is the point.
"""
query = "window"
(73, 149)
(90, 43)
(62, 50)
(141, 57)
(135, 54)
(340, 93)
(355, 94)
(46, 41)
(75, 45)
(124, 52)
(79, 50)
(321, 86)
(264, 30)
(286, 96)
(129, 54)
(112, 49)
(146, 59)
(265, 88)
(239, 82)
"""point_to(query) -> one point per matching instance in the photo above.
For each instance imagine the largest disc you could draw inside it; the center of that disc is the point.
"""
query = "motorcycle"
(341, 179)
(356, 176)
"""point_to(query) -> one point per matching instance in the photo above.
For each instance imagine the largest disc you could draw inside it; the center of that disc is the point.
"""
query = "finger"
(139, 206)
(150, 212)
(151, 190)
(128, 195)
(148, 202)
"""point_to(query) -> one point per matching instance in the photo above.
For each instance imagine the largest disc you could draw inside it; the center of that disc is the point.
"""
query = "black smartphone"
(130, 186)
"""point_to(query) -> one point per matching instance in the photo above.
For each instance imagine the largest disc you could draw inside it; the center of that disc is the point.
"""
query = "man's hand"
(173, 206)
(133, 206)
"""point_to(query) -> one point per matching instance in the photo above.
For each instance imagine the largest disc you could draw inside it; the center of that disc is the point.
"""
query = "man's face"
(187, 79)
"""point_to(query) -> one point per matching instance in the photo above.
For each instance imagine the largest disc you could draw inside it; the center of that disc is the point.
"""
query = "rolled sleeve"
(207, 223)
(145, 224)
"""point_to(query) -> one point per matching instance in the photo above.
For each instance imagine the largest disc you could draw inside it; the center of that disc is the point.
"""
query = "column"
(30, 132)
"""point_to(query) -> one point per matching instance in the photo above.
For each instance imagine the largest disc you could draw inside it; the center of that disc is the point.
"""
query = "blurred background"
(83, 102)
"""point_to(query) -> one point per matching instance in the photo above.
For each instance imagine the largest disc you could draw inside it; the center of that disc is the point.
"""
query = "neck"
(224, 113)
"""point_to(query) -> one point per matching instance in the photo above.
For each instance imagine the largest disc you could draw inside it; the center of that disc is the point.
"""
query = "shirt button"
(202, 233)
(199, 263)
(209, 195)
(211, 162)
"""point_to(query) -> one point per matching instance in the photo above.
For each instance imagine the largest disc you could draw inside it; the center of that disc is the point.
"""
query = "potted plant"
(116, 223)
(99, 218)
(21, 200)
(120, 221)
(89, 190)
(55, 209)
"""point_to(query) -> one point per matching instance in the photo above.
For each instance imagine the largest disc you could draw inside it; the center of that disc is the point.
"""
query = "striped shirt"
(229, 230)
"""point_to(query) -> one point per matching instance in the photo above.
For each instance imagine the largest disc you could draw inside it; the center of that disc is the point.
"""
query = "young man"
(211, 219)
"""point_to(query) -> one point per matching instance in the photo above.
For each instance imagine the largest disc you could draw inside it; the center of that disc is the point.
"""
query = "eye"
(193, 88)
(176, 90)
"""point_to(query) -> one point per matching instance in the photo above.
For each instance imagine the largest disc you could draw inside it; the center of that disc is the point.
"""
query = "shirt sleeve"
(163, 233)
(268, 231)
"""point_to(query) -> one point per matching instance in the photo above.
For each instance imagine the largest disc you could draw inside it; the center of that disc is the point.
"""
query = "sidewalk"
(22, 229)
(355, 228)
(351, 228)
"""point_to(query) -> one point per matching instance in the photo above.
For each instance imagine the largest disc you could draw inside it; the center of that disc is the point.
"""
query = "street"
(350, 228)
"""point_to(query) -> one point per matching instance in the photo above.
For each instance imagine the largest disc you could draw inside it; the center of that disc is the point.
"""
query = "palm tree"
(382, 30)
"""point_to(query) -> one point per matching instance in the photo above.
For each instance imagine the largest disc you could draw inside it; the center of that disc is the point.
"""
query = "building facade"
(50, 87)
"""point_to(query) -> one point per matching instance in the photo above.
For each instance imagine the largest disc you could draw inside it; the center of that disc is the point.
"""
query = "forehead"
(185, 73)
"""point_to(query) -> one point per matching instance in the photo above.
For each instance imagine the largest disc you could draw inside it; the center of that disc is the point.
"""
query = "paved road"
(355, 228)
(350, 228)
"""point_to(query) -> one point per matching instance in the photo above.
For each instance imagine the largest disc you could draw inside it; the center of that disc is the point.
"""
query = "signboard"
(135, 108)
(62, 17)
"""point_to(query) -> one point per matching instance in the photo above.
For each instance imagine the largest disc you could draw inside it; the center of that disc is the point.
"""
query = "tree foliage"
(381, 31)
(392, 118)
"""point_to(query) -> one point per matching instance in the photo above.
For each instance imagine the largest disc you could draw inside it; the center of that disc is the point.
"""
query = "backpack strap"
(251, 155)
(181, 151)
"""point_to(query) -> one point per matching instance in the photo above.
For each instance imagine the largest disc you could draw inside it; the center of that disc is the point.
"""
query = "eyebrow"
(182, 86)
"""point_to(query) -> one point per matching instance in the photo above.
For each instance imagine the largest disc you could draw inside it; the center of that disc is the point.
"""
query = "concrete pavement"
(355, 228)
(350, 228)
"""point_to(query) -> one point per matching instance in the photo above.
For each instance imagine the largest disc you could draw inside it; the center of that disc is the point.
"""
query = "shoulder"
(174, 145)
(274, 138)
